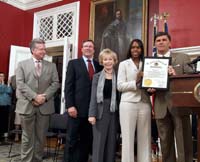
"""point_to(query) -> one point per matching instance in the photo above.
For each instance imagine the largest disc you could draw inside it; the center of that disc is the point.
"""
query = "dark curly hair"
(139, 42)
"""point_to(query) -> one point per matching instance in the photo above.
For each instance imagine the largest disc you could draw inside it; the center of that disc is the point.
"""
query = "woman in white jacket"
(135, 107)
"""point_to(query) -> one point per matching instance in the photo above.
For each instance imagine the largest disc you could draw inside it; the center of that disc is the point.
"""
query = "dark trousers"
(194, 133)
(154, 132)
(78, 141)
(104, 141)
(4, 116)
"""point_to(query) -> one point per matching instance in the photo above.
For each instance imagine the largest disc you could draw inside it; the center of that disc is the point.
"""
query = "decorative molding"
(3, 0)
(30, 4)
(192, 51)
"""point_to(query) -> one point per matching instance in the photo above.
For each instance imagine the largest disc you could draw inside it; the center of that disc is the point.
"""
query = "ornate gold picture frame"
(102, 15)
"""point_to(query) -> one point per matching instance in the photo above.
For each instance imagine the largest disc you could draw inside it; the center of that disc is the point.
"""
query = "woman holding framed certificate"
(135, 107)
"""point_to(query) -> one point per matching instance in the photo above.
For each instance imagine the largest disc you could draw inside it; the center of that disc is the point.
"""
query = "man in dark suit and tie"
(171, 122)
(77, 97)
(37, 81)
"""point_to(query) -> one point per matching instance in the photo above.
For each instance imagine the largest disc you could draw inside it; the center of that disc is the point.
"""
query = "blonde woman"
(135, 110)
(103, 109)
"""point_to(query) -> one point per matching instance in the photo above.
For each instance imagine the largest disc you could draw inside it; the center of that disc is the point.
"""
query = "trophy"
(155, 19)
(164, 16)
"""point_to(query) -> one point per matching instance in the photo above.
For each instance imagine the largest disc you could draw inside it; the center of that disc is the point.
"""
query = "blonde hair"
(107, 52)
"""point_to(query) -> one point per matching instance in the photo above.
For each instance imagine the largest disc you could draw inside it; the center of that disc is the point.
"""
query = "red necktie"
(90, 69)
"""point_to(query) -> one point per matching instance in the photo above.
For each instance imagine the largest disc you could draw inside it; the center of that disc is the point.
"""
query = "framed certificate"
(155, 72)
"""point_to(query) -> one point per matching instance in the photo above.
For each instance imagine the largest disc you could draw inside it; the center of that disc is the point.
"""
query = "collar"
(35, 60)
(140, 63)
(85, 58)
(165, 55)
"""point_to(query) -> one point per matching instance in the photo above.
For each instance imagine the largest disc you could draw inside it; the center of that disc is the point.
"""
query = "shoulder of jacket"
(74, 61)
(27, 61)
(125, 62)
(47, 62)
(178, 54)
(97, 74)
(78, 60)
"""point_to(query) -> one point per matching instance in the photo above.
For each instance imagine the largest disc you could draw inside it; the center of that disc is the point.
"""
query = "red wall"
(11, 32)
(183, 22)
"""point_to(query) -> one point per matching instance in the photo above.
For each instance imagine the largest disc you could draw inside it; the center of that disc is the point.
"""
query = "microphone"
(194, 61)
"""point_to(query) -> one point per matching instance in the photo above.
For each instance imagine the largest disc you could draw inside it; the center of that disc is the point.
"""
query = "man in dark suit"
(37, 81)
(172, 122)
(77, 97)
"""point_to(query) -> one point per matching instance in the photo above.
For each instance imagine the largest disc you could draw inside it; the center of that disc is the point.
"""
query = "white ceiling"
(29, 4)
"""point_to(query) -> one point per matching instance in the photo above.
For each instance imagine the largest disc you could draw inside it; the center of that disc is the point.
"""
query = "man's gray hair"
(34, 42)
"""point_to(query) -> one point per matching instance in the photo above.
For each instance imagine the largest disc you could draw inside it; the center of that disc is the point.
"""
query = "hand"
(72, 112)
(40, 99)
(34, 103)
(171, 70)
(139, 76)
(153, 114)
(92, 120)
(2, 81)
(151, 90)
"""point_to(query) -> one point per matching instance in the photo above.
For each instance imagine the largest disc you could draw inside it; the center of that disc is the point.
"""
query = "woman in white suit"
(135, 107)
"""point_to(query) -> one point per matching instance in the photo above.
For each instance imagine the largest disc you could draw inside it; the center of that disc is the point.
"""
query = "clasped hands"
(39, 99)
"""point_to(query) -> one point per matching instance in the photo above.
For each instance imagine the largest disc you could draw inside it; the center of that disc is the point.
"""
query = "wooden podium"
(186, 94)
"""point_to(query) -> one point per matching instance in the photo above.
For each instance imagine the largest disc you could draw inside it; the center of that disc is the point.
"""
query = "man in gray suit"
(37, 81)
(172, 122)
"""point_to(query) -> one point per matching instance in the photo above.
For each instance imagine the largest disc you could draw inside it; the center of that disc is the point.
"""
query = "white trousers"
(132, 116)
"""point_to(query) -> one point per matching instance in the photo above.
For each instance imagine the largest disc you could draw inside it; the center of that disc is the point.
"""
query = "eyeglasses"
(88, 46)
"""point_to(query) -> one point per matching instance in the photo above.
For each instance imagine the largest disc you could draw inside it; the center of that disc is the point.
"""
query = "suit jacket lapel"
(96, 65)
(31, 65)
(133, 66)
(173, 55)
(44, 67)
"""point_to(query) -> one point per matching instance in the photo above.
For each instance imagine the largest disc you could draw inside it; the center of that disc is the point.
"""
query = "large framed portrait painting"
(114, 23)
